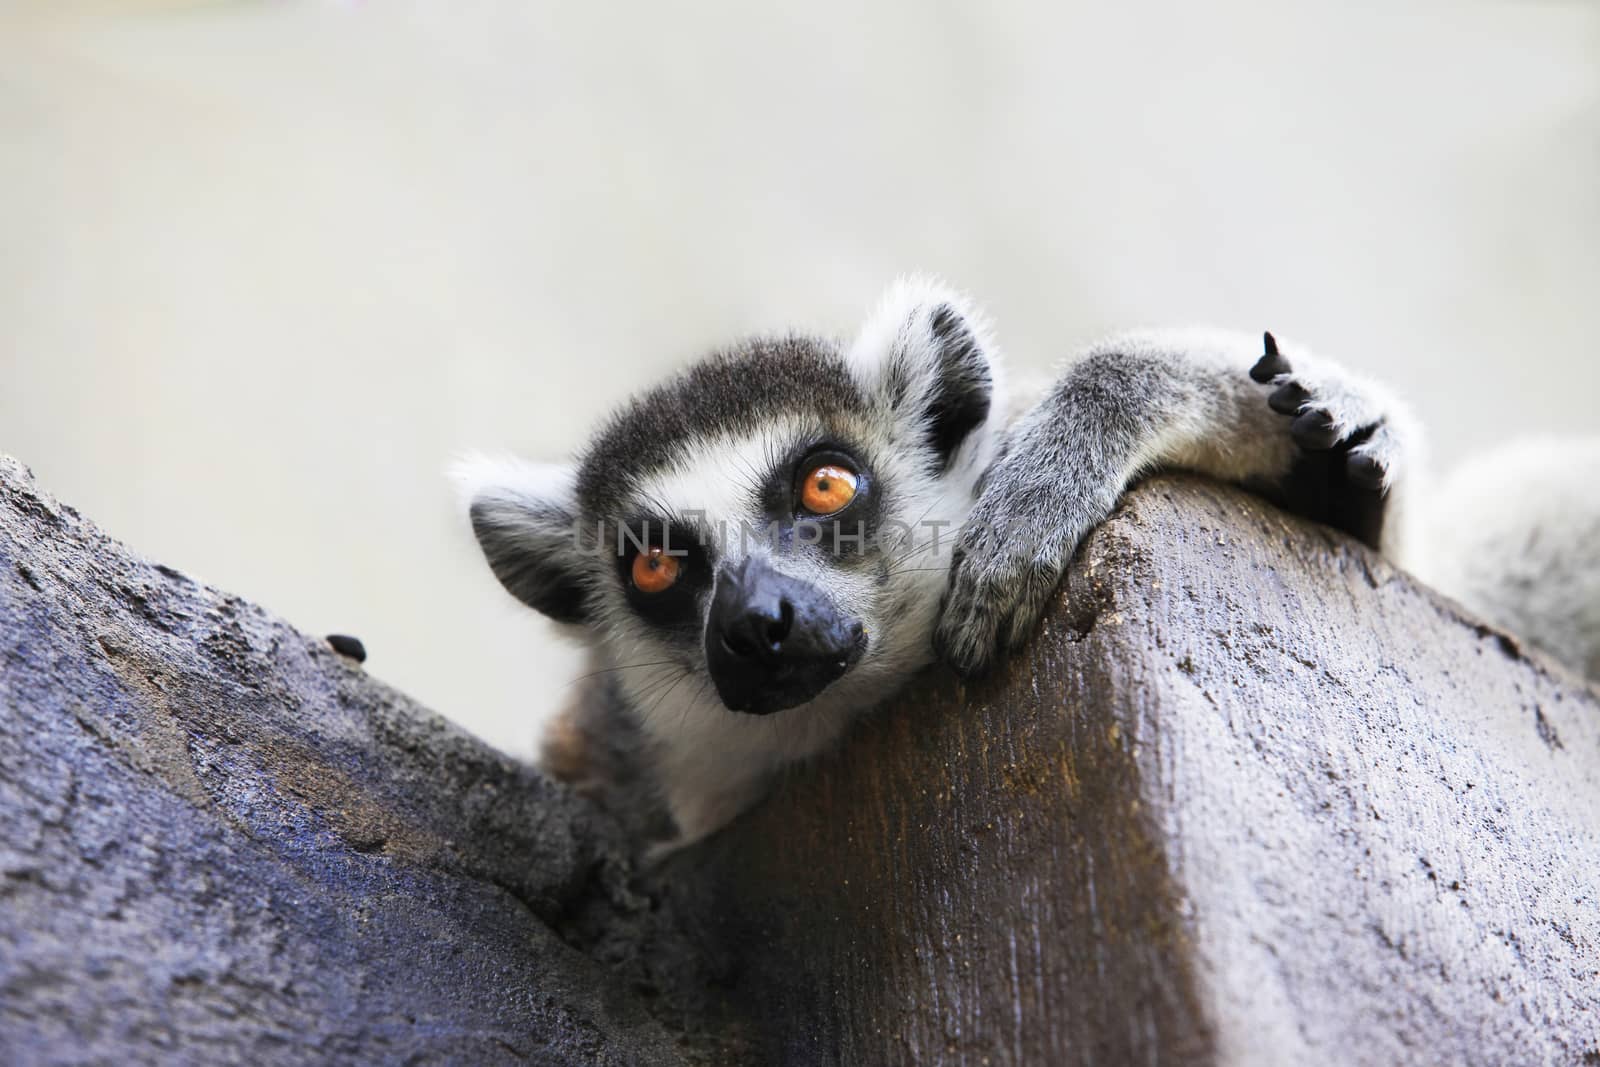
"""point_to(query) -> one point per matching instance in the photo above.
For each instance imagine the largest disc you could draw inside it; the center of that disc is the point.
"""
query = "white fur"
(900, 327)
(482, 476)
(711, 762)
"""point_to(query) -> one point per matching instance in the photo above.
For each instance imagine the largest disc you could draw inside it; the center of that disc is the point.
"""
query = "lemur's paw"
(1351, 437)
(1004, 568)
(983, 603)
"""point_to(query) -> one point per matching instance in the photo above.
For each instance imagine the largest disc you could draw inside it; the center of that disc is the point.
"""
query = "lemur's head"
(775, 523)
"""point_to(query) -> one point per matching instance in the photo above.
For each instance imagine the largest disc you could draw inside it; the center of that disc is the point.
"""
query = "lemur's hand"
(1011, 552)
(1354, 442)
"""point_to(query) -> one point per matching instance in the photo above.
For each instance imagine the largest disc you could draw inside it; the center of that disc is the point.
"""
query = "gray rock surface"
(1253, 797)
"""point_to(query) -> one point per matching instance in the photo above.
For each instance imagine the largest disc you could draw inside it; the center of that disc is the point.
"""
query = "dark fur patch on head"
(733, 391)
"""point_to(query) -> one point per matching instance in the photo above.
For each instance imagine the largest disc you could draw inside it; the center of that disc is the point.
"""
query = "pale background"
(265, 267)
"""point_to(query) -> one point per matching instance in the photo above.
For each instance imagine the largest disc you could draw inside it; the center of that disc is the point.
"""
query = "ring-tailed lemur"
(770, 543)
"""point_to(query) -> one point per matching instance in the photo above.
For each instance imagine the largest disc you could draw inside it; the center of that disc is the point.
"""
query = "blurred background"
(265, 268)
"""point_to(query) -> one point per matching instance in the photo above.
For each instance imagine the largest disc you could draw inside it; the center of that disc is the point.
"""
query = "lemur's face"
(772, 526)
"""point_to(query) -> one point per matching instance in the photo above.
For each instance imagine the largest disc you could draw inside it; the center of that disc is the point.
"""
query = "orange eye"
(828, 489)
(654, 571)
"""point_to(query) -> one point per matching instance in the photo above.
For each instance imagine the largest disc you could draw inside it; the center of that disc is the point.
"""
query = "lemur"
(767, 545)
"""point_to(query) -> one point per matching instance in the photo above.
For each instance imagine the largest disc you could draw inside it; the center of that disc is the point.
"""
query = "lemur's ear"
(525, 517)
(926, 353)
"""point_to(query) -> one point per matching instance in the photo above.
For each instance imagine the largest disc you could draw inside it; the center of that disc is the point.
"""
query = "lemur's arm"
(1321, 441)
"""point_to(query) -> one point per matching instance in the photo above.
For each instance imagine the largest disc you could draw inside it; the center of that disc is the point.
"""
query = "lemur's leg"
(1280, 420)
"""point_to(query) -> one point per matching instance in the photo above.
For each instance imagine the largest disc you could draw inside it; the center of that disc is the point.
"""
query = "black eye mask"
(845, 533)
(676, 608)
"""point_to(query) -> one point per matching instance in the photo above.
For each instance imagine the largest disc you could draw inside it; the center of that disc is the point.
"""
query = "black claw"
(1314, 431)
(1270, 365)
(1288, 398)
(1364, 471)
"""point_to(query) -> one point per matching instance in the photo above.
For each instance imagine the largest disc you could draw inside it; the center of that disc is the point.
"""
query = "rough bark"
(1253, 796)
(221, 842)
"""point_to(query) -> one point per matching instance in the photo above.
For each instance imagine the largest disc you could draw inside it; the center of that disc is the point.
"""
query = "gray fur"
(1172, 399)
(1010, 484)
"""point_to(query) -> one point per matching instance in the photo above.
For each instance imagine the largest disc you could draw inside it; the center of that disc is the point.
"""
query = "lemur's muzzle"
(773, 641)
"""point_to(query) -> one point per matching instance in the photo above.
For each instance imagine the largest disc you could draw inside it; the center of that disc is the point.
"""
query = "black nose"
(773, 641)
(759, 630)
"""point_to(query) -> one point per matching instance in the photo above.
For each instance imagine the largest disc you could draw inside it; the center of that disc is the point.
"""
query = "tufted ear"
(525, 517)
(926, 354)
